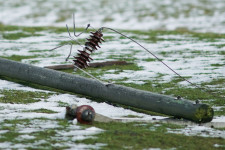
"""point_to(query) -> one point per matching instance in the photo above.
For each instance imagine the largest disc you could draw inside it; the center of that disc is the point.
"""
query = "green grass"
(169, 88)
(9, 136)
(16, 36)
(139, 136)
(220, 112)
(4, 28)
(152, 35)
(49, 135)
(190, 93)
(102, 70)
(124, 57)
(132, 116)
(116, 135)
(42, 110)
(33, 30)
(221, 52)
(217, 65)
(218, 45)
(150, 59)
(20, 57)
(62, 104)
(108, 19)
(219, 81)
(22, 97)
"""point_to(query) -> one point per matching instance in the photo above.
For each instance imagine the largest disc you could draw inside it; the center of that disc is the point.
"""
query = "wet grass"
(22, 97)
(149, 59)
(132, 116)
(20, 57)
(220, 112)
(103, 70)
(33, 30)
(219, 81)
(221, 52)
(210, 96)
(47, 111)
(116, 135)
(142, 136)
(172, 88)
(188, 93)
(46, 137)
(18, 35)
(218, 45)
(33, 85)
(217, 65)
(124, 57)
(152, 35)
(62, 104)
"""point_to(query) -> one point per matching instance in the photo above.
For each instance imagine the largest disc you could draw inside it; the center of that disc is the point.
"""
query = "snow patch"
(198, 131)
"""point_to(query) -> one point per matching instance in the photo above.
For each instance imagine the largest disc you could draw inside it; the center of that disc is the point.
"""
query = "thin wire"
(58, 47)
(70, 52)
(91, 75)
(71, 36)
(209, 91)
(74, 28)
(93, 28)
(71, 44)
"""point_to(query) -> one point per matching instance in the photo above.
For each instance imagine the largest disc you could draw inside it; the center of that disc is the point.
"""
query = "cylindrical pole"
(113, 93)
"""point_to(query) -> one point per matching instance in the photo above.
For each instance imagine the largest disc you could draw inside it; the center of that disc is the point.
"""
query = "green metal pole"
(114, 93)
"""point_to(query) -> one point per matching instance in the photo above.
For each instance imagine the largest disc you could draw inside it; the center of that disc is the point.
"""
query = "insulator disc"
(85, 114)
(91, 45)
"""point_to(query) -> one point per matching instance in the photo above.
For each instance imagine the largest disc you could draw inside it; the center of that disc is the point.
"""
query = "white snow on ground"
(218, 145)
(16, 110)
(199, 131)
(67, 137)
(187, 56)
(175, 47)
(204, 16)
(14, 86)
(219, 119)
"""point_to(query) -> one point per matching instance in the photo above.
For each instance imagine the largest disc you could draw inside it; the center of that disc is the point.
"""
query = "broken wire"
(91, 45)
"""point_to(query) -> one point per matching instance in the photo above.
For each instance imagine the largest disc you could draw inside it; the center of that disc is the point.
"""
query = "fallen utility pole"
(179, 108)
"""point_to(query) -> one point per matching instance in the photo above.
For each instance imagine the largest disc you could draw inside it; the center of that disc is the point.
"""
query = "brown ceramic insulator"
(80, 63)
(93, 42)
(84, 53)
(89, 49)
(95, 39)
(85, 114)
(91, 45)
(98, 35)
(85, 57)
(81, 60)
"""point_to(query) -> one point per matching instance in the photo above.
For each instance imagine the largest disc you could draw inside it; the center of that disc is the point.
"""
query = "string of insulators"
(91, 45)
